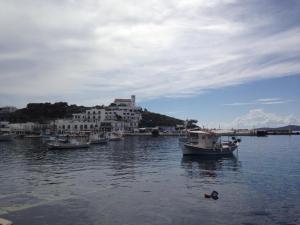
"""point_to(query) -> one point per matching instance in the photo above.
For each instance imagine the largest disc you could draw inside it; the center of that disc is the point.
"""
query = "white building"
(23, 128)
(121, 115)
(4, 127)
(130, 103)
(7, 109)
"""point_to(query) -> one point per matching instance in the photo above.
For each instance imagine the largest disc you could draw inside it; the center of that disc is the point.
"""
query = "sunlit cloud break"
(90, 51)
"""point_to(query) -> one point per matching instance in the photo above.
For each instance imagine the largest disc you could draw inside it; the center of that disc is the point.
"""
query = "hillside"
(151, 119)
(44, 112)
(289, 127)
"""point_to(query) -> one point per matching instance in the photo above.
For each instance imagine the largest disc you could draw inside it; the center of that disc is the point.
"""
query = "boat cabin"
(203, 139)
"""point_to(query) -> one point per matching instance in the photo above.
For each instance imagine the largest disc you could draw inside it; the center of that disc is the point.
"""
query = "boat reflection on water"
(209, 166)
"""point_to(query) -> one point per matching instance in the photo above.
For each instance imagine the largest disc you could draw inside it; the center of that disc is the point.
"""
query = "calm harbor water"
(145, 180)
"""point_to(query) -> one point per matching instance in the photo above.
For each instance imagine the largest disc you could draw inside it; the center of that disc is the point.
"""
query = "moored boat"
(72, 144)
(6, 137)
(115, 136)
(208, 143)
(5, 132)
(98, 139)
(33, 136)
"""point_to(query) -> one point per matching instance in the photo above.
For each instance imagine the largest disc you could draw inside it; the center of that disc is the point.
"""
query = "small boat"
(208, 143)
(6, 137)
(98, 139)
(115, 136)
(72, 144)
(33, 136)
(47, 139)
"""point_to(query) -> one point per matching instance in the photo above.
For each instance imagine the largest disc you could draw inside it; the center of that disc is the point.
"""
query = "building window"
(68, 126)
(85, 126)
(75, 127)
(81, 127)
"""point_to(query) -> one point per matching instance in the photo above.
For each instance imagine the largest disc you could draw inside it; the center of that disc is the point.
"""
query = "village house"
(121, 115)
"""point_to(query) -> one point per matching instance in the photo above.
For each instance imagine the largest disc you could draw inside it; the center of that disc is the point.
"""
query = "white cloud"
(261, 101)
(90, 51)
(240, 103)
(268, 99)
(257, 118)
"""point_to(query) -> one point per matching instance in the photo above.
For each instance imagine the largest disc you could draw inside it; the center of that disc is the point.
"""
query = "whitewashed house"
(121, 115)
(23, 128)
(4, 127)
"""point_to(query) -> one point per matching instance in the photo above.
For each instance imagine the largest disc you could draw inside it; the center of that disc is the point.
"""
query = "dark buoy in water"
(214, 195)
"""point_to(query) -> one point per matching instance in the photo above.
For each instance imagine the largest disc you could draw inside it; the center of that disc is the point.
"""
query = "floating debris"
(207, 195)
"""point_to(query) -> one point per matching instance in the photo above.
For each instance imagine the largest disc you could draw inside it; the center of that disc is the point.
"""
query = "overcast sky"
(88, 52)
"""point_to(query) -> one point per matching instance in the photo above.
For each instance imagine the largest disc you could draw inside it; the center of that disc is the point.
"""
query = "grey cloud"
(90, 51)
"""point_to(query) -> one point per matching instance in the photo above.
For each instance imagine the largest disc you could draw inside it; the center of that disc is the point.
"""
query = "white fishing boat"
(115, 136)
(72, 144)
(208, 143)
(5, 132)
(98, 139)
(33, 136)
(6, 137)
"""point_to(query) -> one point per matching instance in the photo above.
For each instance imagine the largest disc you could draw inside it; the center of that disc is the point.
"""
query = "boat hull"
(115, 139)
(98, 142)
(189, 149)
(67, 146)
(7, 137)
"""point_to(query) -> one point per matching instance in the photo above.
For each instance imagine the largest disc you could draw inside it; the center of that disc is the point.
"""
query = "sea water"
(146, 180)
